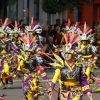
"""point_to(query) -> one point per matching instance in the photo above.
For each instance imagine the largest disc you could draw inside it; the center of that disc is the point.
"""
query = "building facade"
(90, 13)
(25, 9)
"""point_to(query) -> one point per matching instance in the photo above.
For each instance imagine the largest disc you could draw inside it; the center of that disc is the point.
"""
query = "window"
(36, 9)
(75, 14)
(11, 9)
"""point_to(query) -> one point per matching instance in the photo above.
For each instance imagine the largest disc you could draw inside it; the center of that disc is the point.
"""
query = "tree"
(54, 6)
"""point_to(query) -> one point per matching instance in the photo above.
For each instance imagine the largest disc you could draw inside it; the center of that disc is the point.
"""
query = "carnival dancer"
(4, 69)
(97, 43)
(72, 80)
(4, 72)
(87, 53)
(15, 41)
(97, 36)
(3, 39)
(31, 83)
(30, 67)
(7, 66)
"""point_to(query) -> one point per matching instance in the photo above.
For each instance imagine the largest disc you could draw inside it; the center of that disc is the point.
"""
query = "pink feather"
(33, 40)
(5, 21)
(72, 36)
(15, 24)
(66, 38)
(85, 27)
(77, 23)
(89, 31)
(23, 40)
(68, 23)
(79, 31)
(77, 39)
(28, 39)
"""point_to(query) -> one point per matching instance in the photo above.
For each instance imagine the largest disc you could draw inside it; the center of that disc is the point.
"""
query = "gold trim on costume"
(69, 66)
(70, 83)
(85, 87)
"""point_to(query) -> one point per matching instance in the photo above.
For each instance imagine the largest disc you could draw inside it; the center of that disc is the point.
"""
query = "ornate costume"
(87, 51)
(69, 73)
(30, 67)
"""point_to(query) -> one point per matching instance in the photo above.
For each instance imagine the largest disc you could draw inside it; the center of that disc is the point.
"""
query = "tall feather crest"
(15, 24)
(72, 37)
(89, 31)
(69, 22)
(84, 30)
(32, 20)
(77, 39)
(77, 23)
(59, 59)
(28, 39)
(7, 22)
(66, 38)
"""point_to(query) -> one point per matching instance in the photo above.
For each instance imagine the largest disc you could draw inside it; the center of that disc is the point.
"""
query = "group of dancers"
(21, 53)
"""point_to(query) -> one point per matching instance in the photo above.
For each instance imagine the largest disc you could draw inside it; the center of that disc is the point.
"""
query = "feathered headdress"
(74, 27)
(16, 30)
(86, 30)
(70, 40)
(71, 28)
(5, 27)
(28, 41)
(33, 28)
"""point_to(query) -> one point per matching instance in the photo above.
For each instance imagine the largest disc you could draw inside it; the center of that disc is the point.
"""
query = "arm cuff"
(52, 85)
(16, 72)
(85, 89)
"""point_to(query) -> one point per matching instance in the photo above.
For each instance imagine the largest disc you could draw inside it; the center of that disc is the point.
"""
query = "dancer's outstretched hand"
(14, 76)
(50, 94)
(89, 94)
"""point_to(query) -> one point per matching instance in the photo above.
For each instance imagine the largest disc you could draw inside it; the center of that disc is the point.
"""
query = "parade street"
(15, 93)
(49, 49)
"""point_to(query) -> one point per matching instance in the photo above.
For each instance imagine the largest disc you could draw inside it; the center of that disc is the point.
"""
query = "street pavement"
(15, 93)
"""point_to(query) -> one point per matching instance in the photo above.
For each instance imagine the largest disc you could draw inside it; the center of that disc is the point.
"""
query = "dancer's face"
(1, 35)
(28, 53)
(84, 42)
(68, 56)
(15, 35)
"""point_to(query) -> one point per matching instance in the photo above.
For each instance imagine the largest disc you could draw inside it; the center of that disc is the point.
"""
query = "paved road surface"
(15, 93)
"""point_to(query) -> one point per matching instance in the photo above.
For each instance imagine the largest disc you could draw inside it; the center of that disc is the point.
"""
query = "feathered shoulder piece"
(78, 64)
(58, 62)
